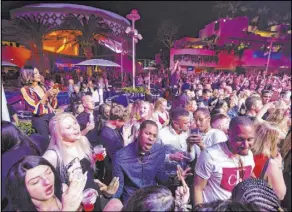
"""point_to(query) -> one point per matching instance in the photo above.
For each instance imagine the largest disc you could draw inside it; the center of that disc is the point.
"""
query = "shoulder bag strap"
(264, 169)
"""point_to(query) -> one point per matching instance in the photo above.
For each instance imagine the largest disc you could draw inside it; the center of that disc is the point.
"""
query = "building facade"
(227, 44)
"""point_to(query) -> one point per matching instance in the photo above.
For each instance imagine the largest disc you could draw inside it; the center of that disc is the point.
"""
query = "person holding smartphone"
(41, 102)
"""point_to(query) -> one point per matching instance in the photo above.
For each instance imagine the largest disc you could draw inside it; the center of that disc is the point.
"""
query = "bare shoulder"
(51, 156)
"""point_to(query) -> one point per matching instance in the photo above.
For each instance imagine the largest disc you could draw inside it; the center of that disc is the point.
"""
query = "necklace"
(240, 166)
(143, 163)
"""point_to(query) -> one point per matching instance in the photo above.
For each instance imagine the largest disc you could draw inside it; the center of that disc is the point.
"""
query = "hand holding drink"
(89, 199)
(99, 153)
(73, 195)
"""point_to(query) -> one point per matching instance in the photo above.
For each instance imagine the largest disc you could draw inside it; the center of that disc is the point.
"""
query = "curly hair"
(257, 192)
(152, 198)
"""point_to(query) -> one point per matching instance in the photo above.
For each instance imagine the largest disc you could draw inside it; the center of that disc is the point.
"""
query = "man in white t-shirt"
(222, 166)
(206, 136)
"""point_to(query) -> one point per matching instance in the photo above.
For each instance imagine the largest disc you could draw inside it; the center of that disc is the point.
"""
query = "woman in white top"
(144, 111)
(161, 115)
(93, 92)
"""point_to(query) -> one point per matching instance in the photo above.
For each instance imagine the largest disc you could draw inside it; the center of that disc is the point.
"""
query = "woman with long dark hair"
(14, 145)
(40, 102)
(33, 185)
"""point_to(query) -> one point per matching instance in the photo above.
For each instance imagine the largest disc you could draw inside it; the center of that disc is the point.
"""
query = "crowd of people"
(211, 142)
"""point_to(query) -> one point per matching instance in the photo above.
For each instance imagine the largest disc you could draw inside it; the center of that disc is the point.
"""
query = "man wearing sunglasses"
(222, 166)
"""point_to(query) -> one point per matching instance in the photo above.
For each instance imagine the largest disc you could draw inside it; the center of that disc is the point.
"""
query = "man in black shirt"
(88, 121)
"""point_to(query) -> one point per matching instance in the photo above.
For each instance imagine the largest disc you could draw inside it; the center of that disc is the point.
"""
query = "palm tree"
(86, 32)
(231, 8)
(29, 31)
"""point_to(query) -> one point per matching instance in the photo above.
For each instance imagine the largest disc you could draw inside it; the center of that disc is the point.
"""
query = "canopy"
(149, 68)
(98, 62)
(4, 63)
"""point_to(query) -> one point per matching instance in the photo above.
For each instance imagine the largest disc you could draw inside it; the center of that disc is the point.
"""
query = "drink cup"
(89, 199)
(98, 153)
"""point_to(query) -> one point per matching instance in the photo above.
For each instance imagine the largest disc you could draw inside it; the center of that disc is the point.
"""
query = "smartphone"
(74, 168)
(195, 131)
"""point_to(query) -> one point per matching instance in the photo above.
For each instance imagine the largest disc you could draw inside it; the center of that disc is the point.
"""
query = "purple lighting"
(134, 15)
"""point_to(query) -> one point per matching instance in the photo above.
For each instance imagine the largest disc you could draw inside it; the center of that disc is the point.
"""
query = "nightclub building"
(229, 44)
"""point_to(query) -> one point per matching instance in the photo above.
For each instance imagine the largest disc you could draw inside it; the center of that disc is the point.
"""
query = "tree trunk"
(88, 54)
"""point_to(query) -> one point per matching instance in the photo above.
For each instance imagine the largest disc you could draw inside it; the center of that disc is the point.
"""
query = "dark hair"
(205, 90)
(250, 101)
(26, 75)
(152, 198)
(178, 112)
(268, 87)
(203, 110)
(266, 92)
(102, 109)
(144, 124)
(226, 205)
(118, 112)
(75, 107)
(240, 120)
(12, 138)
(16, 190)
(216, 111)
(257, 192)
(220, 104)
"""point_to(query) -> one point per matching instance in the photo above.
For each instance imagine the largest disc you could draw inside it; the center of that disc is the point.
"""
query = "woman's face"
(40, 182)
(70, 129)
(225, 107)
(80, 109)
(107, 111)
(163, 106)
(144, 110)
(216, 93)
(37, 76)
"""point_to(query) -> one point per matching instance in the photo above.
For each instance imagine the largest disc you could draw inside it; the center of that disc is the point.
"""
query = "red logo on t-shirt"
(231, 177)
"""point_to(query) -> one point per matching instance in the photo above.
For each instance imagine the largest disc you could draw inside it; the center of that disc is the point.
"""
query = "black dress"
(86, 166)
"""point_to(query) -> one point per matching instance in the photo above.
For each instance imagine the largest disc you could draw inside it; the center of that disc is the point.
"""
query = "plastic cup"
(89, 199)
(98, 153)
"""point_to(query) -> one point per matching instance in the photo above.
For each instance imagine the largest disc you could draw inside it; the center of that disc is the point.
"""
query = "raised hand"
(73, 195)
(183, 173)
(182, 193)
(196, 139)
(178, 156)
(109, 190)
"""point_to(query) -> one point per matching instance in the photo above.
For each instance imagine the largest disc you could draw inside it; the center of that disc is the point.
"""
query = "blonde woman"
(278, 114)
(161, 115)
(267, 158)
(67, 148)
(127, 129)
(142, 111)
